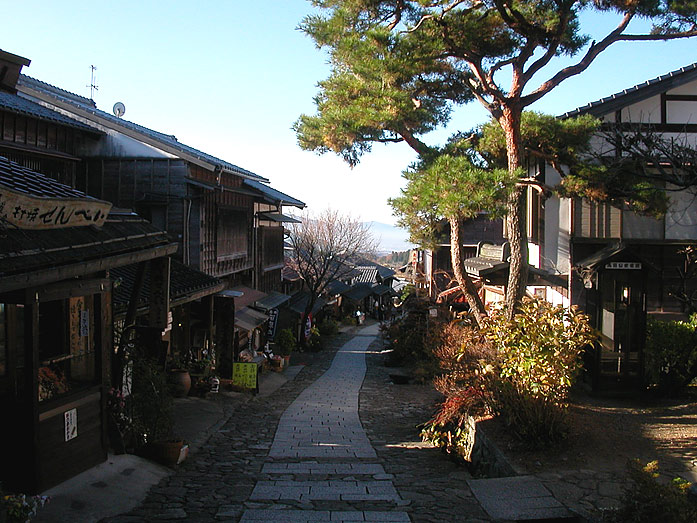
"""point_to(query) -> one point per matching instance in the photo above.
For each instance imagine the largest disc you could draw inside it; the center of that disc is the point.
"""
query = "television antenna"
(93, 82)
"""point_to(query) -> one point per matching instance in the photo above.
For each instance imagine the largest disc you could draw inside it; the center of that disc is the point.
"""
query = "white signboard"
(70, 422)
(624, 265)
(84, 323)
(32, 212)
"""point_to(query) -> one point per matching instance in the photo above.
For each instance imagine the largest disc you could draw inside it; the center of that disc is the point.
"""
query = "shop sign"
(84, 323)
(624, 265)
(308, 327)
(244, 375)
(70, 424)
(31, 212)
(273, 319)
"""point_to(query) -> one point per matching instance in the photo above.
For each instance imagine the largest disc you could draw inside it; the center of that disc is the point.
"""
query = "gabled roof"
(86, 108)
(273, 196)
(637, 93)
(19, 105)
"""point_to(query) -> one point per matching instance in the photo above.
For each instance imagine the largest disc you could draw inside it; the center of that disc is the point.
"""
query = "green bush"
(647, 500)
(150, 403)
(670, 355)
(520, 369)
(328, 327)
(538, 355)
(314, 343)
(285, 342)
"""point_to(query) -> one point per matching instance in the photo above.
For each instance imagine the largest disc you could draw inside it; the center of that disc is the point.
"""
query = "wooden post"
(159, 292)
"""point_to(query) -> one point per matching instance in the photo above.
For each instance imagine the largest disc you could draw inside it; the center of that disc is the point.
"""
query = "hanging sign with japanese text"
(25, 211)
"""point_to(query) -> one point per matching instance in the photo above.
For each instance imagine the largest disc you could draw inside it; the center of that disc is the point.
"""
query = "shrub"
(328, 327)
(520, 369)
(314, 343)
(647, 500)
(150, 403)
(468, 358)
(671, 355)
(538, 355)
(285, 342)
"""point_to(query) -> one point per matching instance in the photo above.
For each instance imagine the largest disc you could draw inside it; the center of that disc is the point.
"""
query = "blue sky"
(231, 77)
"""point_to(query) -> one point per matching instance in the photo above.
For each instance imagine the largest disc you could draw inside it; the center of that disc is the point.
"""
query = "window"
(233, 234)
(67, 357)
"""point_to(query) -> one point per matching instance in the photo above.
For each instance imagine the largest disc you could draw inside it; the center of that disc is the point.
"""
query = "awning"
(249, 296)
(186, 284)
(272, 195)
(299, 301)
(271, 301)
(381, 290)
(249, 319)
(278, 217)
(336, 287)
(358, 292)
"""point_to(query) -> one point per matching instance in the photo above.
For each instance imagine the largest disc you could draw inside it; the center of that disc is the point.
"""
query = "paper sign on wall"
(70, 422)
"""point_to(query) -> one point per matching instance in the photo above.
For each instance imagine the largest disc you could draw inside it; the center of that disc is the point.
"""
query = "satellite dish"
(119, 109)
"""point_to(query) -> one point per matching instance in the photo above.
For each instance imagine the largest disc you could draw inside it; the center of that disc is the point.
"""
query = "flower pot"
(165, 452)
(286, 360)
(180, 380)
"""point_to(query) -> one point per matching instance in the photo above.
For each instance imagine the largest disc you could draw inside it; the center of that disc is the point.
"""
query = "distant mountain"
(390, 238)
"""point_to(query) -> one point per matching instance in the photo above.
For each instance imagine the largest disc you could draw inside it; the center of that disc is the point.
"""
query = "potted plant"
(19, 508)
(151, 412)
(179, 377)
(285, 344)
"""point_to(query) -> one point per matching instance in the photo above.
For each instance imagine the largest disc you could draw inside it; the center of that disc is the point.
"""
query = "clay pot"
(180, 380)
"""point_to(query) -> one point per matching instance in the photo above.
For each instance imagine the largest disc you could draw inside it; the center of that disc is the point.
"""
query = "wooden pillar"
(29, 403)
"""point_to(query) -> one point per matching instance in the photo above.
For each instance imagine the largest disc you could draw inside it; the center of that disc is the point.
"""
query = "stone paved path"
(321, 454)
(217, 481)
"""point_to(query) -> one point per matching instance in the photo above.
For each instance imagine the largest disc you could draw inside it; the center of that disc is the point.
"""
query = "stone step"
(323, 468)
(519, 498)
(329, 490)
(317, 516)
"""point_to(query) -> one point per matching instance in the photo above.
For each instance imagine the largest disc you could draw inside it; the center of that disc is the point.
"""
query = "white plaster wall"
(681, 112)
(647, 111)
(681, 218)
(555, 254)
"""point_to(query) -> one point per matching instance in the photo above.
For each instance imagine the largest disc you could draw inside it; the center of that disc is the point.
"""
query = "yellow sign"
(245, 375)
(33, 212)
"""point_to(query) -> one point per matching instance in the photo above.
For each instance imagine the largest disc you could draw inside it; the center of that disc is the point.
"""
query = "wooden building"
(226, 220)
(58, 246)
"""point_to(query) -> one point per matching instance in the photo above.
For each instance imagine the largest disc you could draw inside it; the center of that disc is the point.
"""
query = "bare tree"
(323, 248)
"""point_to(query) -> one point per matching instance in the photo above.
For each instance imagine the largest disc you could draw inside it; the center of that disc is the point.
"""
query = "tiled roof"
(299, 301)
(28, 251)
(272, 195)
(336, 287)
(16, 104)
(112, 121)
(273, 300)
(637, 93)
(367, 274)
(358, 292)
(21, 179)
(184, 282)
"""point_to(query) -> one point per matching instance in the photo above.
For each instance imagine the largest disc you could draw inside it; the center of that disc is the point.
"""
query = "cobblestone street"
(302, 454)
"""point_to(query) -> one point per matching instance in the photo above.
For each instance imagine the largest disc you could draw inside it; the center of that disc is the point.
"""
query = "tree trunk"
(463, 279)
(515, 219)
